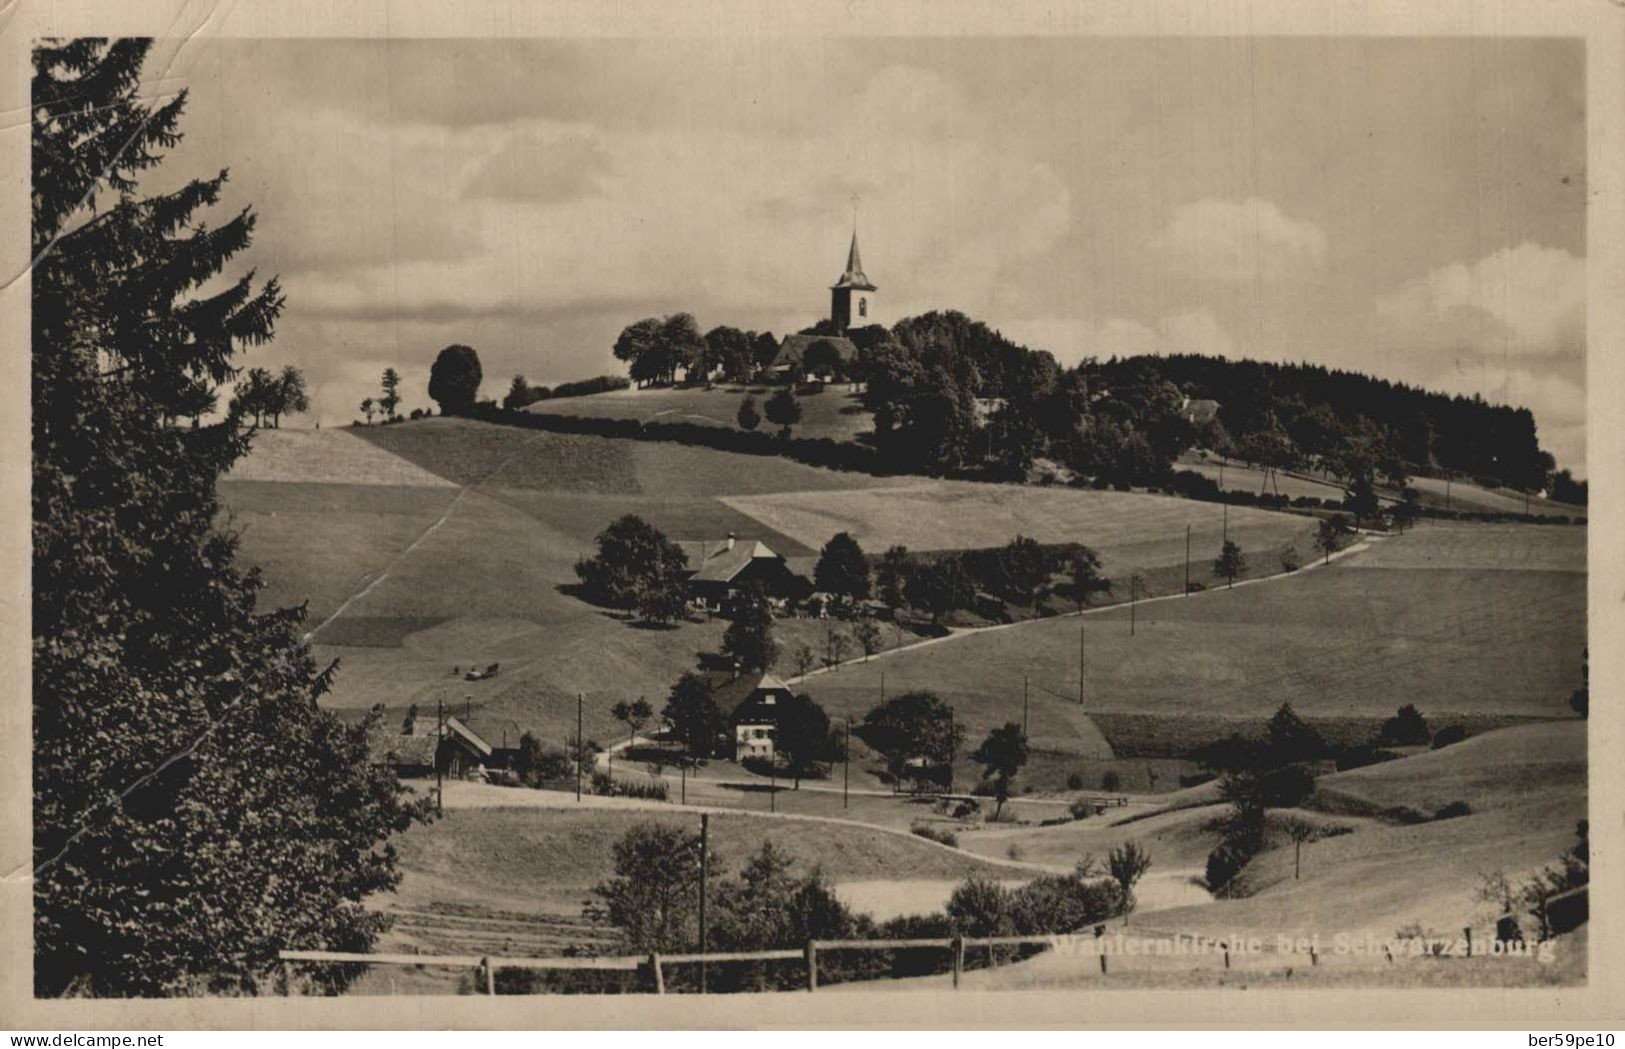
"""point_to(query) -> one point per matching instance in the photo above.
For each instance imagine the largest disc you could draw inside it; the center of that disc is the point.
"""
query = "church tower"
(852, 298)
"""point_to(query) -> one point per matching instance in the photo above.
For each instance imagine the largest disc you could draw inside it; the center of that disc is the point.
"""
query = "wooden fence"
(485, 966)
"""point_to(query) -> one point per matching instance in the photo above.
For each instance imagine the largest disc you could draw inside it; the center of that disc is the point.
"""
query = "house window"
(863, 307)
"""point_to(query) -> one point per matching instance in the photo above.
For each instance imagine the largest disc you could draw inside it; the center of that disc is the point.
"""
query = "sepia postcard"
(581, 515)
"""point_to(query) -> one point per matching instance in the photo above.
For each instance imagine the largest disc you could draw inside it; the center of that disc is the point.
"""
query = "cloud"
(1072, 340)
(1526, 300)
(1240, 241)
(544, 164)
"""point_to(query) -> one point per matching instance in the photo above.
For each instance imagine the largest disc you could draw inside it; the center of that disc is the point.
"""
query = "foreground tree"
(843, 568)
(749, 418)
(1329, 534)
(1230, 562)
(802, 735)
(390, 387)
(783, 410)
(749, 638)
(652, 901)
(917, 734)
(692, 712)
(633, 715)
(1001, 755)
(454, 380)
(194, 809)
(634, 559)
(1127, 864)
(1084, 578)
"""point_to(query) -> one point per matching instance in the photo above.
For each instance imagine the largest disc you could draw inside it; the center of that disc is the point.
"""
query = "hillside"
(1466, 621)
(833, 413)
(470, 563)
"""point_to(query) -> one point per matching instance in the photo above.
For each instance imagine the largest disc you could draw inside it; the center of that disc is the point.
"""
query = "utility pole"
(1187, 560)
(1080, 661)
(705, 841)
(439, 774)
(580, 745)
(846, 765)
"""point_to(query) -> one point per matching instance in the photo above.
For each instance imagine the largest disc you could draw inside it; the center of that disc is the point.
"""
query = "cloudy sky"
(1411, 208)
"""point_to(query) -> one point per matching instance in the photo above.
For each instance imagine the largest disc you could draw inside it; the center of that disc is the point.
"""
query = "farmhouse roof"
(418, 748)
(457, 728)
(719, 564)
(794, 349)
(1199, 411)
(853, 277)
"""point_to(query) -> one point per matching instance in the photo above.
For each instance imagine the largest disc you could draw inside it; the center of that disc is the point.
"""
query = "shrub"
(1287, 787)
(1080, 809)
(1074, 781)
(1290, 561)
(582, 387)
(1223, 864)
(1406, 727)
(653, 790)
(936, 834)
(1449, 735)
(1453, 810)
(1111, 780)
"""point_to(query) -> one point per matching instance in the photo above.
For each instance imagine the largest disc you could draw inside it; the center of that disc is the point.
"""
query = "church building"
(852, 298)
(851, 305)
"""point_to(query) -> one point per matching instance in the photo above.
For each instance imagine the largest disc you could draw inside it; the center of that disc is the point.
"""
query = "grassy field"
(1235, 476)
(546, 861)
(835, 413)
(1355, 639)
(1130, 531)
(468, 569)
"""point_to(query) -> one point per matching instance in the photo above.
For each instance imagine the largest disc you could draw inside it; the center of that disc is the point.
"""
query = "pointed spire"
(854, 276)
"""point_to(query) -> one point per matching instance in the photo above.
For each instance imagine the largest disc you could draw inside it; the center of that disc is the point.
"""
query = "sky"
(1409, 207)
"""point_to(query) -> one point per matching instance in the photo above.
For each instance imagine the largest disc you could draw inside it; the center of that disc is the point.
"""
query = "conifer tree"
(194, 810)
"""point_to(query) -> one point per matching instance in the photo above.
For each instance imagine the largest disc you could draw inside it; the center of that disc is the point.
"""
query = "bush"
(1074, 781)
(1223, 864)
(1080, 809)
(1453, 810)
(1112, 780)
(1406, 728)
(1288, 786)
(582, 387)
(936, 834)
(1290, 561)
(1448, 736)
(652, 790)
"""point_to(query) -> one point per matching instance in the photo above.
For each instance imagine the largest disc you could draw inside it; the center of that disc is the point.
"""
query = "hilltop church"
(851, 305)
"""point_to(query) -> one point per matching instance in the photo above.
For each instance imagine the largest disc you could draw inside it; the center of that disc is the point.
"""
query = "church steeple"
(854, 277)
(852, 296)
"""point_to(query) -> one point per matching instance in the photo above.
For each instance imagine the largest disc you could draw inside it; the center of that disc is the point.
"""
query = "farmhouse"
(456, 750)
(722, 570)
(755, 716)
(1197, 412)
(789, 361)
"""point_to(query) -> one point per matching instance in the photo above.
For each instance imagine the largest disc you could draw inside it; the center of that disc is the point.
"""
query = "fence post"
(958, 949)
(1226, 947)
(287, 978)
(490, 971)
(654, 967)
(812, 965)
(1467, 931)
